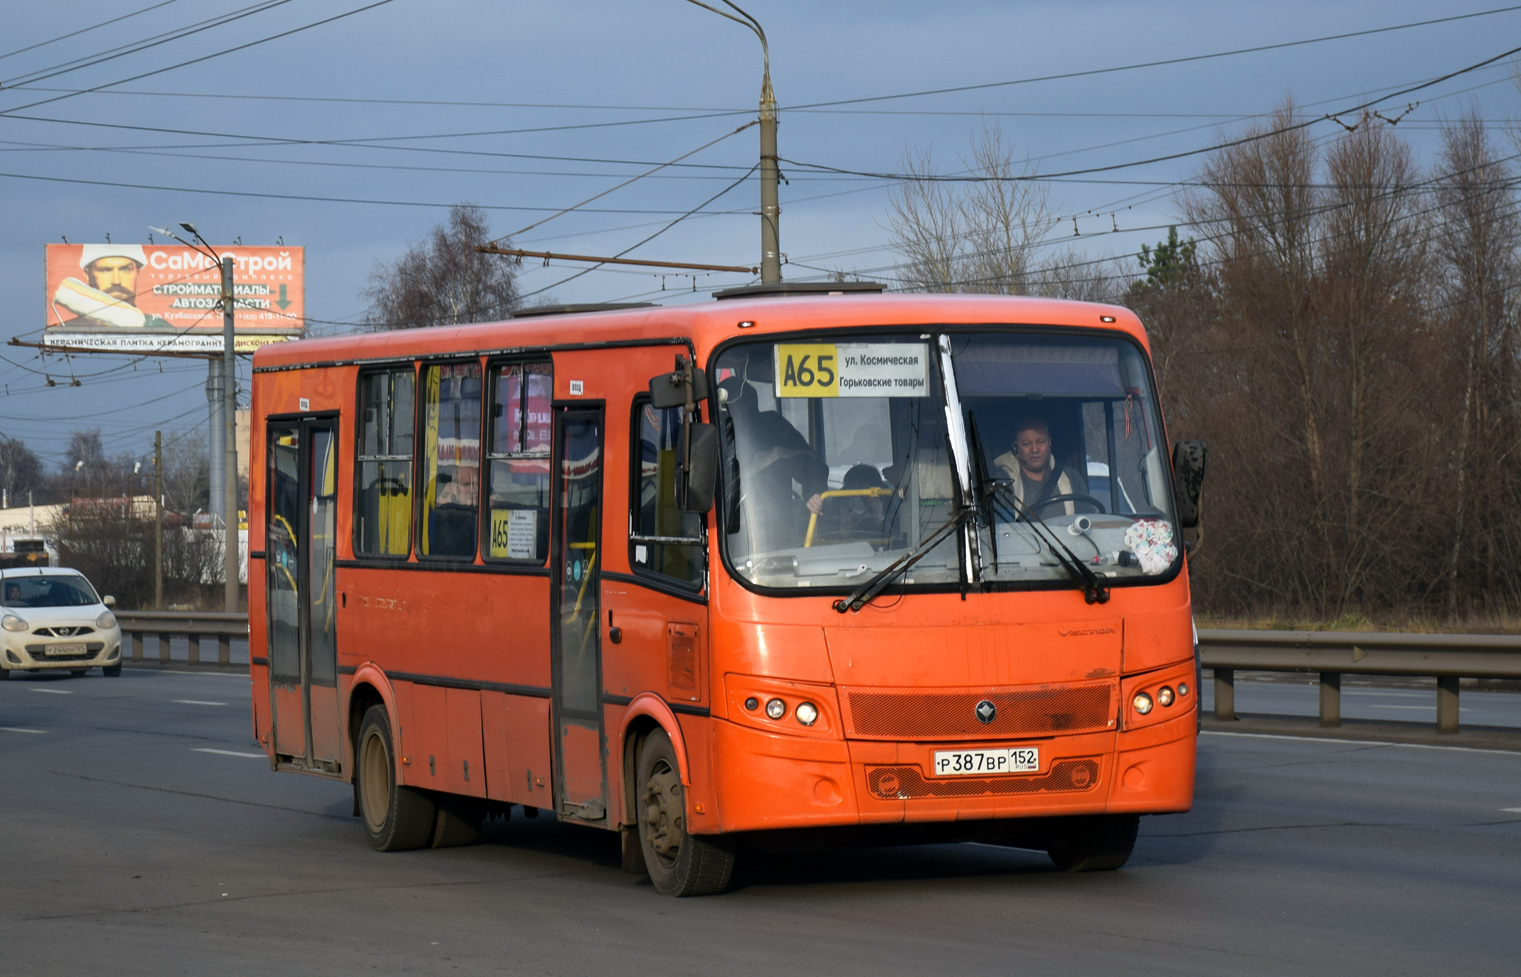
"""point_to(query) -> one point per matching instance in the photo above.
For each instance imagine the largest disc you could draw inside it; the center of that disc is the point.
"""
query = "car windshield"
(48, 591)
(840, 457)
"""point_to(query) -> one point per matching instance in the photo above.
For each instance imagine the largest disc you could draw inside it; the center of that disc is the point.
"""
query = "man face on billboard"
(116, 276)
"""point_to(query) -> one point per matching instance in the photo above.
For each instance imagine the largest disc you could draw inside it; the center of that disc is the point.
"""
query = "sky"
(349, 127)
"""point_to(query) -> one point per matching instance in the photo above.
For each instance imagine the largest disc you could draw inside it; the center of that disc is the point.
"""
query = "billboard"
(167, 298)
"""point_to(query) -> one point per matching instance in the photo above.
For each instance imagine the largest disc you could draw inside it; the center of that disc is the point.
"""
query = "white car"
(52, 619)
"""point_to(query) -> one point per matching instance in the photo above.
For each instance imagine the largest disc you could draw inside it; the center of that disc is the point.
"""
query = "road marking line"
(1511, 810)
(54, 691)
(1337, 739)
(207, 749)
(18, 729)
(197, 702)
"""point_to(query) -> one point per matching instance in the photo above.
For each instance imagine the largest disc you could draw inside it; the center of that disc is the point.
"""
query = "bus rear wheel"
(1095, 843)
(679, 863)
(396, 818)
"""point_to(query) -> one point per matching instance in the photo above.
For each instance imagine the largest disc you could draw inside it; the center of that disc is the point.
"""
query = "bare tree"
(20, 469)
(974, 232)
(1477, 242)
(444, 280)
(187, 473)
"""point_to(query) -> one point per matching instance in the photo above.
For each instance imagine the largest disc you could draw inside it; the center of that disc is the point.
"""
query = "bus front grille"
(914, 715)
(904, 783)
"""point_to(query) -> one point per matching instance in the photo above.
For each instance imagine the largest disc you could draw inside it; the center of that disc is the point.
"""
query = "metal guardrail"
(1332, 654)
(195, 625)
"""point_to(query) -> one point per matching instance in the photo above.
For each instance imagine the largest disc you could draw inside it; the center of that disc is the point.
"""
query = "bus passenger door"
(300, 550)
(580, 780)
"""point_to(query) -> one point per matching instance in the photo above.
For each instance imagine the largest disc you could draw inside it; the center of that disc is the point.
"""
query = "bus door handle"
(614, 633)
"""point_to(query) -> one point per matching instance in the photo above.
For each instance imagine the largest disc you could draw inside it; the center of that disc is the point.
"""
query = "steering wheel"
(1071, 497)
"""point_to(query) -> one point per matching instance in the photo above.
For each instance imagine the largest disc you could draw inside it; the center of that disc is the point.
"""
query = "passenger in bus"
(460, 490)
(1034, 474)
(856, 517)
(777, 464)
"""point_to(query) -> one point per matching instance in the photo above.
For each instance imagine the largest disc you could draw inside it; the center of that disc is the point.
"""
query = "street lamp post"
(771, 248)
(228, 402)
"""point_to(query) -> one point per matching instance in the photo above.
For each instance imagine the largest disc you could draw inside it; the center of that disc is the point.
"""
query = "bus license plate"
(972, 763)
(73, 648)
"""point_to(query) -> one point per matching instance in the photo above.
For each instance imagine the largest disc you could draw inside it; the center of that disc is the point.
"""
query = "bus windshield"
(840, 457)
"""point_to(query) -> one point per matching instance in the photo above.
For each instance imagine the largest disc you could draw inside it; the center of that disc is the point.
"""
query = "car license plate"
(972, 763)
(72, 648)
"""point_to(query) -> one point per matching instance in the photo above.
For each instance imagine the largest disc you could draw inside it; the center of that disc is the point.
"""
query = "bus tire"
(396, 818)
(458, 822)
(1095, 843)
(679, 864)
(111, 671)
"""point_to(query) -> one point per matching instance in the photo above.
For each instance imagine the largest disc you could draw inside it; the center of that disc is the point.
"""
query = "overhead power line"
(85, 30)
(133, 47)
(1152, 64)
(207, 57)
(1031, 177)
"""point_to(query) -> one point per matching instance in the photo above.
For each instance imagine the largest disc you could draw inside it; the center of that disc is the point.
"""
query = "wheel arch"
(647, 713)
(370, 687)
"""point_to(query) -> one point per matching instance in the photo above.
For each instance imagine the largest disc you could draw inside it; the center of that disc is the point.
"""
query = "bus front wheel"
(679, 863)
(1095, 843)
(396, 818)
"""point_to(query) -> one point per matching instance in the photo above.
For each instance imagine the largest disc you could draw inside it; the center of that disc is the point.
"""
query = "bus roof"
(705, 325)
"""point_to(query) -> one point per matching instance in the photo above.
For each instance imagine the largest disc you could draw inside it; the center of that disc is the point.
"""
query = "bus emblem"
(986, 712)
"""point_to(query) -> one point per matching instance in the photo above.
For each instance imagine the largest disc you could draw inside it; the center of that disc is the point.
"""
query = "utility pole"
(158, 520)
(230, 452)
(770, 214)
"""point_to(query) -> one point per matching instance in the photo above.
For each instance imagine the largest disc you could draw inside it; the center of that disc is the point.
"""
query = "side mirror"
(669, 389)
(1188, 463)
(108, 600)
(695, 486)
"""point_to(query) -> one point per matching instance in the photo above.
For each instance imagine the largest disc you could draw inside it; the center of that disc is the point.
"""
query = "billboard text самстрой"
(147, 297)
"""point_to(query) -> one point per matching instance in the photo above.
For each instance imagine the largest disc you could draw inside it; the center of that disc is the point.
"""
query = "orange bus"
(897, 568)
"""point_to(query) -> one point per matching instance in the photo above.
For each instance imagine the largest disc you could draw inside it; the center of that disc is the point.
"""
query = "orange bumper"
(764, 781)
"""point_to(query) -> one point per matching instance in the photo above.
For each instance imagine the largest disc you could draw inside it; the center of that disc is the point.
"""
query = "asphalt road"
(140, 833)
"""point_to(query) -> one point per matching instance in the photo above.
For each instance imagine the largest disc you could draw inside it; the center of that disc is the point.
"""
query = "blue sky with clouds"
(352, 137)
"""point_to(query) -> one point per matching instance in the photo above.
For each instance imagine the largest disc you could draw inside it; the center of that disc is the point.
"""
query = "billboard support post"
(158, 520)
(230, 451)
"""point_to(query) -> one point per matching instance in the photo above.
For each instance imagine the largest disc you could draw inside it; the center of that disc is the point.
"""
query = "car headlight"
(13, 623)
(106, 620)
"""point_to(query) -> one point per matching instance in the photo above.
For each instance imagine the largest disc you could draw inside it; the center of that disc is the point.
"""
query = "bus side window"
(662, 538)
(451, 459)
(383, 506)
(518, 462)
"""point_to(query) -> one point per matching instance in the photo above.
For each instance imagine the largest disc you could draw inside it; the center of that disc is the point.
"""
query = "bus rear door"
(580, 781)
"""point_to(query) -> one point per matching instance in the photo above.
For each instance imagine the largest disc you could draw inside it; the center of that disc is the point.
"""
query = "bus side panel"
(516, 748)
(424, 735)
(467, 770)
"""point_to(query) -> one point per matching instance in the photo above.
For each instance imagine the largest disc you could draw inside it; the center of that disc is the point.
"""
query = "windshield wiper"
(1094, 589)
(869, 589)
(984, 500)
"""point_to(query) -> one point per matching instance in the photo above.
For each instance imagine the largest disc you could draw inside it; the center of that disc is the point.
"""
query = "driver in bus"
(776, 462)
(1034, 474)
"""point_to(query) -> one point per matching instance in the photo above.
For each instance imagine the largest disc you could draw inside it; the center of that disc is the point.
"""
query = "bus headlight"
(776, 709)
(1164, 696)
(807, 713)
(1142, 703)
